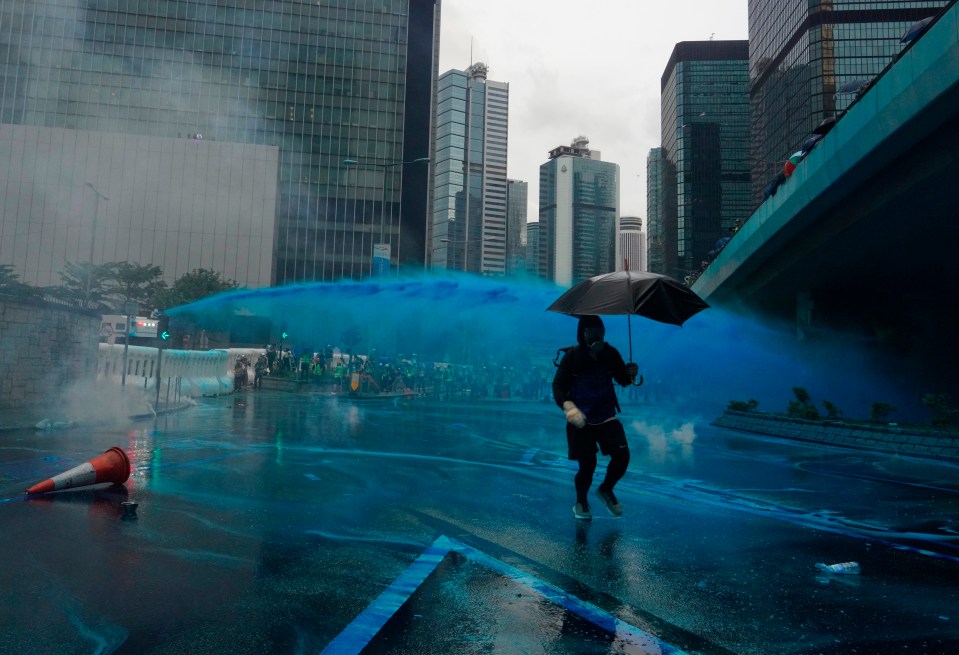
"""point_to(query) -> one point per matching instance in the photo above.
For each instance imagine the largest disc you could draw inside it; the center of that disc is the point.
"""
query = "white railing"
(193, 372)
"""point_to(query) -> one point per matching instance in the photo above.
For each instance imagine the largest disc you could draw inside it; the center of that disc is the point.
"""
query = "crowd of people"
(333, 370)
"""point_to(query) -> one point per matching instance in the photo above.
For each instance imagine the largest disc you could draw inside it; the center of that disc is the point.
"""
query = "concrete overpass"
(863, 239)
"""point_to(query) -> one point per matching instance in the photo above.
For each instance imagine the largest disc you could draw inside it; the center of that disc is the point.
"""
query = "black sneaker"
(581, 511)
(610, 501)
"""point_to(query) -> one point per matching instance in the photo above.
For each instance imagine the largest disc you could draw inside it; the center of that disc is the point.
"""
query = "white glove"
(573, 415)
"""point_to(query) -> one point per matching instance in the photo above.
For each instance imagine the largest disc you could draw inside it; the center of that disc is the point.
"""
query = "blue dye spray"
(716, 357)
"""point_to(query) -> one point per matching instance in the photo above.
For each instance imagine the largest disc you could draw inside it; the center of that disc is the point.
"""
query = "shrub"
(831, 410)
(742, 405)
(797, 409)
(943, 413)
(880, 412)
(802, 407)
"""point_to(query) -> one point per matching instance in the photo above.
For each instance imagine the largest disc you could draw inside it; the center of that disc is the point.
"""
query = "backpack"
(577, 353)
(559, 354)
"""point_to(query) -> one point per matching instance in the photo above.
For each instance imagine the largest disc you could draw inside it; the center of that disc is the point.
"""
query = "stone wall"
(890, 439)
(43, 347)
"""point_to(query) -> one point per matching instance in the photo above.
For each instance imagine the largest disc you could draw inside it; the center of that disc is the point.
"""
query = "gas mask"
(594, 338)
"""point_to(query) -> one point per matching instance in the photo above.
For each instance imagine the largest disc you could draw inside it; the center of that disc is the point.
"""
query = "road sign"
(106, 330)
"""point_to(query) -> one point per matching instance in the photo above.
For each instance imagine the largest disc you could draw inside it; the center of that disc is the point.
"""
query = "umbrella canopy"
(850, 87)
(826, 125)
(654, 296)
(811, 142)
(915, 30)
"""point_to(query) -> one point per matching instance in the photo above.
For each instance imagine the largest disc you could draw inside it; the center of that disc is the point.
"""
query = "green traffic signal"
(164, 335)
(285, 335)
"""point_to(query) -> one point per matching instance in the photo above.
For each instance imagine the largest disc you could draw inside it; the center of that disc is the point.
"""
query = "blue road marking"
(358, 634)
(364, 627)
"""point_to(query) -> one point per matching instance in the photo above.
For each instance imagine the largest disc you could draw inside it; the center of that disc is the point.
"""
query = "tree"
(802, 407)
(10, 283)
(85, 284)
(195, 285)
(135, 282)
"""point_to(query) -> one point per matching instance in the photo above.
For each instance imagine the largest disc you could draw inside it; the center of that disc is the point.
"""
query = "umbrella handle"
(629, 330)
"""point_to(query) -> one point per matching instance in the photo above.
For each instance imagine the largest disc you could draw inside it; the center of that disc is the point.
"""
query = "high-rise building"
(342, 89)
(705, 149)
(632, 244)
(807, 59)
(532, 249)
(578, 214)
(517, 195)
(70, 195)
(470, 189)
(654, 211)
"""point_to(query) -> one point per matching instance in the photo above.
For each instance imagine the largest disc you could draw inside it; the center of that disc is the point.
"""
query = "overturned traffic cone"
(111, 466)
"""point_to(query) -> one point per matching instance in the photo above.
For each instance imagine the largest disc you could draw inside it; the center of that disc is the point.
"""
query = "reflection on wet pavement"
(291, 524)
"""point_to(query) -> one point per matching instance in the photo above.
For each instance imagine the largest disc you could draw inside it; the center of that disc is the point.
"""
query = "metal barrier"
(191, 373)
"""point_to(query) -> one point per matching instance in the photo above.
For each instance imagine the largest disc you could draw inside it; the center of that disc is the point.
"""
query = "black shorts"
(607, 437)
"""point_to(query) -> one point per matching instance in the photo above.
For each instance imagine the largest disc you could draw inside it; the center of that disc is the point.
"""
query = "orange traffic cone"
(111, 466)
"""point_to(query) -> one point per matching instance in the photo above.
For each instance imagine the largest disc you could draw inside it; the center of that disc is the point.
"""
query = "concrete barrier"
(888, 439)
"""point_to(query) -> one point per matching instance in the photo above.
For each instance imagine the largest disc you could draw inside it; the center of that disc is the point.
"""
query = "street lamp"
(93, 236)
(384, 166)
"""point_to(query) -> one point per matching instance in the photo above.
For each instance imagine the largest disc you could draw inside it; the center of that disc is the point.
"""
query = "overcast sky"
(582, 68)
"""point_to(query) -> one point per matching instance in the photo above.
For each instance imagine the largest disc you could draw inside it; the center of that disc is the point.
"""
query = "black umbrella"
(811, 142)
(826, 125)
(655, 296)
(915, 30)
(850, 87)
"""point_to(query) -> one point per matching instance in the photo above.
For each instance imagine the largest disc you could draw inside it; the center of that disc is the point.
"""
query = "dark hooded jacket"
(586, 378)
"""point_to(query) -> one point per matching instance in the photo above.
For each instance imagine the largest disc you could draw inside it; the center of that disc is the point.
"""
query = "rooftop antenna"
(471, 51)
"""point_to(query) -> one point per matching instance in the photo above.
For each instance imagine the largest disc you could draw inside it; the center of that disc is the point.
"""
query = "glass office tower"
(654, 211)
(705, 150)
(578, 214)
(532, 249)
(802, 53)
(517, 196)
(469, 197)
(326, 83)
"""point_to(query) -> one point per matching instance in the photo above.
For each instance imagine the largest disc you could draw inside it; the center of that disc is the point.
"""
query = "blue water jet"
(717, 356)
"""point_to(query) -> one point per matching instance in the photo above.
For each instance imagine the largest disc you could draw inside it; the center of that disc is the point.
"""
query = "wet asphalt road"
(278, 523)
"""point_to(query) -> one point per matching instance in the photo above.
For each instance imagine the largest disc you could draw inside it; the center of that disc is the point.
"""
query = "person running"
(583, 388)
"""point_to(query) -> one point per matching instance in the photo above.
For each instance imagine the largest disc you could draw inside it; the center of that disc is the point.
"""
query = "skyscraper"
(632, 244)
(470, 188)
(517, 195)
(654, 211)
(325, 83)
(705, 149)
(801, 55)
(578, 214)
(532, 249)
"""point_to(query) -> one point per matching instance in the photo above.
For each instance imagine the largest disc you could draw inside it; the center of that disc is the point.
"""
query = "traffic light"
(285, 336)
(163, 327)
